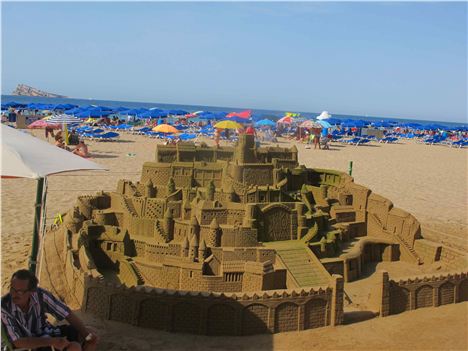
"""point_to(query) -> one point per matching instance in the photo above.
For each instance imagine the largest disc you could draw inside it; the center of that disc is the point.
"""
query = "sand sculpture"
(232, 240)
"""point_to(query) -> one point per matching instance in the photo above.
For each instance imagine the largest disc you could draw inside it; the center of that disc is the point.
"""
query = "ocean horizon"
(192, 108)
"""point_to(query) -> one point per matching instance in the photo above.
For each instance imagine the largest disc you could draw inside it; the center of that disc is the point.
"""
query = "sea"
(258, 113)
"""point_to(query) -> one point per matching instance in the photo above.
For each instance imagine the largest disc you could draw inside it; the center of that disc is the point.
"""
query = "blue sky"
(403, 60)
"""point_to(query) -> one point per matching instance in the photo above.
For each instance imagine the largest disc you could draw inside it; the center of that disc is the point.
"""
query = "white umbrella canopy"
(324, 115)
(64, 119)
(28, 157)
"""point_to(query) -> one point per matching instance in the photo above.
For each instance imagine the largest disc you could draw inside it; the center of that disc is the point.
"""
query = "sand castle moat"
(239, 240)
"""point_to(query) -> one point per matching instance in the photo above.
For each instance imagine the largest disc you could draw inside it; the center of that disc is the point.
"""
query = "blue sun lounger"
(109, 136)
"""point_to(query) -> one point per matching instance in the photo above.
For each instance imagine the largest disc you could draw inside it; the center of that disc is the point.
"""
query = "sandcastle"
(235, 241)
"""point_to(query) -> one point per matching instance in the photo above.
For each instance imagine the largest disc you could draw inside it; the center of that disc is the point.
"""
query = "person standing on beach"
(11, 116)
(316, 133)
(217, 135)
(25, 323)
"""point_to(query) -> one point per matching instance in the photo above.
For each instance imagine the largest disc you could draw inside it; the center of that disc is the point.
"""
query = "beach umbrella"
(310, 124)
(153, 113)
(24, 156)
(93, 113)
(207, 116)
(134, 112)
(13, 104)
(212, 115)
(165, 128)
(435, 126)
(265, 123)
(382, 124)
(285, 120)
(176, 112)
(238, 119)
(120, 109)
(324, 124)
(227, 124)
(354, 124)
(73, 111)
(324, 115)
(63, 119)
(41, 123)
(243, 114)
(410, 125)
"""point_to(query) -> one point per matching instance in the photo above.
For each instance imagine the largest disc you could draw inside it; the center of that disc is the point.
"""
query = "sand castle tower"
(185, 247)
(171, 186)
(249, 218)
(245, 150)
(214, 234)
(168, 224)
(202, 251)
(301, 220)
(194, 226)
(211, 191)
(150, 190)
(193, 249)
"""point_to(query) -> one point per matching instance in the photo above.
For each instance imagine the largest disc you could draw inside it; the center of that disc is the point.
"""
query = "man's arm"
(76, 323)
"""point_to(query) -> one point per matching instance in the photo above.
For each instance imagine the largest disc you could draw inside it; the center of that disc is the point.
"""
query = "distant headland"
(26, 90)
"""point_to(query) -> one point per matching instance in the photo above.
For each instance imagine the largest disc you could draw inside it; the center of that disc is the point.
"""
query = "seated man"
(59, 142)
(73, 138)
(25, 323)
(81, 149)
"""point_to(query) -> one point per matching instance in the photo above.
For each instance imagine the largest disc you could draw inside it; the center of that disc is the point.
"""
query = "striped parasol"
(63, 119)
(310, 124)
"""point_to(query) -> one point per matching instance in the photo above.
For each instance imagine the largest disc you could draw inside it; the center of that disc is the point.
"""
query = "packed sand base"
(427, 181)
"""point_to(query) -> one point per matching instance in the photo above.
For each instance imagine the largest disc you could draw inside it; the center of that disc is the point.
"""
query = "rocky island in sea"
(26, 90)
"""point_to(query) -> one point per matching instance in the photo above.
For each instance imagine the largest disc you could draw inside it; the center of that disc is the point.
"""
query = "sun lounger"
(141, 131)
(388, 139)
(187, 136)
(459, 144)
(109, 136)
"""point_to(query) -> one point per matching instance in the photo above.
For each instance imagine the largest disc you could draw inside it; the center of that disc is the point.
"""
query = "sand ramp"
(303, 266)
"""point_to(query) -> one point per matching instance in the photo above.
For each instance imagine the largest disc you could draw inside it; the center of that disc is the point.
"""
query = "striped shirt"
(19, 324)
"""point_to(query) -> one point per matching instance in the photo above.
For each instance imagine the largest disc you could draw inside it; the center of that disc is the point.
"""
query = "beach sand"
(429, 182)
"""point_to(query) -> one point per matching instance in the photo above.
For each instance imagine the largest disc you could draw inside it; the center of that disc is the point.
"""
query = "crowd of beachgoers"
(106, 124)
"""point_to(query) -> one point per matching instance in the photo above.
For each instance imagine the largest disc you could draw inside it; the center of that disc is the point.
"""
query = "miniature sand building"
(232, 240)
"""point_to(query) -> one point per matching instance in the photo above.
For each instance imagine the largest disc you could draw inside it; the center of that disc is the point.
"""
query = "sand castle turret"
(171, 186)
(202, 251)
(150, 190)
(211, 191)
(168, 224)
(193, 249)
(194, 227)
(245, 150)
(185, 247)
(214, 234)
